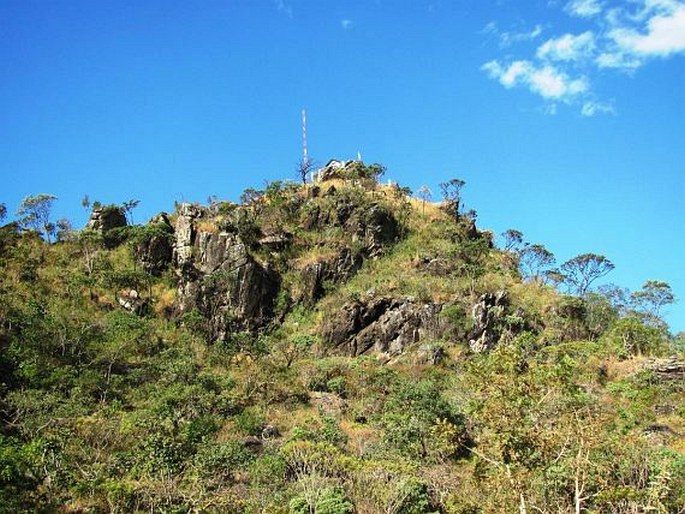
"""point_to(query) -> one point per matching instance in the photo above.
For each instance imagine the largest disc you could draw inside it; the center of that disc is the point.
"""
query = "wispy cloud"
(284, 8)
(592, 108)
(509, 38)
(546, 80)
(568, 47)
(583, 8)
(624, 38)
(346, 24)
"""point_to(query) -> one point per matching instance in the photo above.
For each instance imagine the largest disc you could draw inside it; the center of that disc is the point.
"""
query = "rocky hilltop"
(333, 347)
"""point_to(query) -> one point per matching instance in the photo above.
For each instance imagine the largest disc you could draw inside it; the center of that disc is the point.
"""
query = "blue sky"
(564, 117)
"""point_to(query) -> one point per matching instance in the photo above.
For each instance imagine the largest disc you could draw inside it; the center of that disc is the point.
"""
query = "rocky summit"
(333, 347)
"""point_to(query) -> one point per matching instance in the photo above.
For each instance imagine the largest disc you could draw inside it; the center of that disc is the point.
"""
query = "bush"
(250, 421)
(629, 336)
(327, 501)
(220, 461)
(420, 423)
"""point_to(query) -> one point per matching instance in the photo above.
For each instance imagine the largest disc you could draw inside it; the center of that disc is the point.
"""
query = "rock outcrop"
(337, 268)
(384, 326)
(219, 278)
(103, 219)
(156, 251)
(488, 314)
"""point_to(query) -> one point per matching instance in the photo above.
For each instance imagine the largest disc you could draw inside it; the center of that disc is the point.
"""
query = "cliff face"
(231, 270)
(235, 263)
(218, 277)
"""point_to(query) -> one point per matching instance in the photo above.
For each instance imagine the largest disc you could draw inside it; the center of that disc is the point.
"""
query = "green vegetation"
(114, 397)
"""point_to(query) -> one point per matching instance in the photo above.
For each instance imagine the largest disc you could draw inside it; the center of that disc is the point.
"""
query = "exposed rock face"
(487, 315)
(381, 325)
(218, 277)
(106, 218)
(376, 227)
(155, 253)
(373, 225)
(336, 269)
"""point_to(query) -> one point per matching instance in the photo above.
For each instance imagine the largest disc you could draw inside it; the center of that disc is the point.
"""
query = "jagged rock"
(377, 227)
(487, 314)
(384, 326)
(156, 252)
(220, 278)
(130, 300)
(106, 218)
(335, 269)
(185, 233)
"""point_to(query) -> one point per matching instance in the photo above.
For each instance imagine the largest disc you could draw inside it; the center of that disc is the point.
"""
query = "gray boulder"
(106, 218)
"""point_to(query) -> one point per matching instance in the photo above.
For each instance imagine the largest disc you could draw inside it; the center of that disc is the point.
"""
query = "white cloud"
(624, 36)
(617, 60)
(509, 38)
(345, 24)
(664, 34)
(584, 8)
(568, 47)
(592, 108)
(547, 81)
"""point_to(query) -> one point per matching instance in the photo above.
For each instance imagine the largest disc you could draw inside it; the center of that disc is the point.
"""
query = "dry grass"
(431, 210)
(314, 256)
(619, 369)
(206, 225)
(165, 298)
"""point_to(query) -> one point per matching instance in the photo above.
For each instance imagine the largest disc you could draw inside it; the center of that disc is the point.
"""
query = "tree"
(619, 297)
(85, 202)
(534, 259)
(451, 194)
(128, 209)
(425, 194)
(64, 229)
(34, 213)
(512, 239)
(583, 270)
(653, 296)
(3, 211)
(304, 168)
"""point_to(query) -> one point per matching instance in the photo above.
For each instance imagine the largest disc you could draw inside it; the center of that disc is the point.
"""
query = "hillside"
(330, 348)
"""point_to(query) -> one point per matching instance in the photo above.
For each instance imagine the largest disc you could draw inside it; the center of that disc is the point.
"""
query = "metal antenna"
(305, 156)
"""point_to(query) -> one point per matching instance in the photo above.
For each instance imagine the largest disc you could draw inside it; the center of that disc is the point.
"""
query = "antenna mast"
(305, 156)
